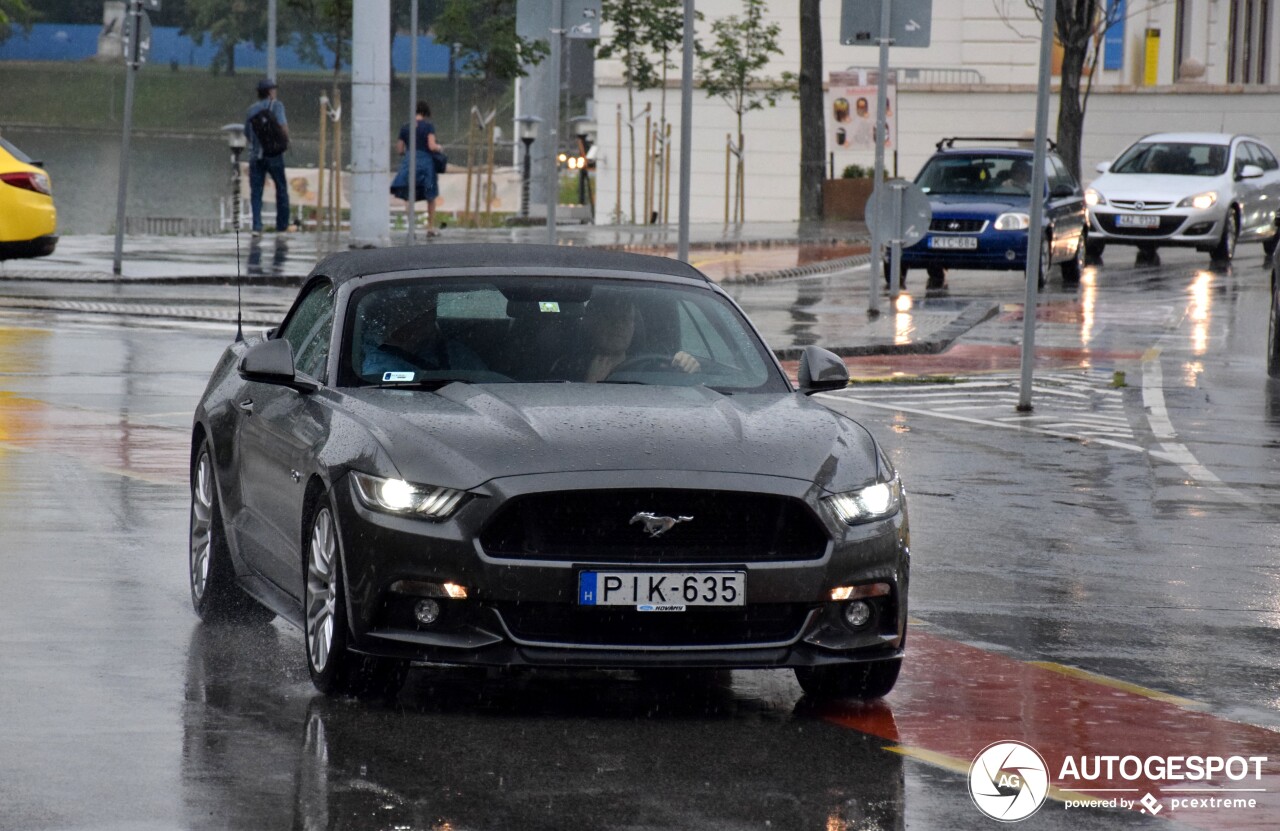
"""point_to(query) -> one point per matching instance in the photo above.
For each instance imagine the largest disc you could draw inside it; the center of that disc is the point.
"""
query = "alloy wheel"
(322, 590)
(201, 525)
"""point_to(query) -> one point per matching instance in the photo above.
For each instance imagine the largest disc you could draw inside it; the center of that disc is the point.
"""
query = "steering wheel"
(646, 362)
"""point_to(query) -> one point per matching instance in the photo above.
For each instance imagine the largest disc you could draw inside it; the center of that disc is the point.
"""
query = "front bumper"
(1176, 227)
(995, 251)
(525, 612)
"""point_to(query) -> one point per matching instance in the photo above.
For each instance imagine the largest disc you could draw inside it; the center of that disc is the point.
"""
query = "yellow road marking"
(1146, 692)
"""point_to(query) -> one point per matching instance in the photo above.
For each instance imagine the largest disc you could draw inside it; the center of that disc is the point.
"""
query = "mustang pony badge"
(656, 525)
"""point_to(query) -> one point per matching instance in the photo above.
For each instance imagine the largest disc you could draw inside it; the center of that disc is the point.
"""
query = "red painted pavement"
(954, 700)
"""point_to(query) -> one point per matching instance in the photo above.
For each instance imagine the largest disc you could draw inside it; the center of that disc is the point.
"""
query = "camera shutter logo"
(1008, 781)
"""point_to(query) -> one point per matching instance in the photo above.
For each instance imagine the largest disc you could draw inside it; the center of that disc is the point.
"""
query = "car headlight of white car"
(1201, 201)
(1013, 222)
(1092, 198)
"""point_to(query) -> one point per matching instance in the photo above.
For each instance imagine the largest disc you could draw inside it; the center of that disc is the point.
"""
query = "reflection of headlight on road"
(1013, 222)
(1201, 201)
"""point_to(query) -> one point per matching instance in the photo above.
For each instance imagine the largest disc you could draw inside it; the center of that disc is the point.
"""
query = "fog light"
(428, 611)
(857, 613)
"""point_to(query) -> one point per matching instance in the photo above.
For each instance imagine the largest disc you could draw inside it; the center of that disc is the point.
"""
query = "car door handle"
(245, 406)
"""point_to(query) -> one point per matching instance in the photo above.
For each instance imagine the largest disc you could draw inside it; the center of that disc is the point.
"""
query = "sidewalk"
(760, 263)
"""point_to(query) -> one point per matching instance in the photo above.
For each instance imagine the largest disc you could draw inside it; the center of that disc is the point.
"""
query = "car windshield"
(976, 174)
(1173, 159)
(427, 332)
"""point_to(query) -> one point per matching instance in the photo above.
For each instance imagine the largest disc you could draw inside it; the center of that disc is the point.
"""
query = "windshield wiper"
(429, 384)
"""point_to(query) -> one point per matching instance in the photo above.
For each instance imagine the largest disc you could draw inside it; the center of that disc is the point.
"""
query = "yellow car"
(28, 219)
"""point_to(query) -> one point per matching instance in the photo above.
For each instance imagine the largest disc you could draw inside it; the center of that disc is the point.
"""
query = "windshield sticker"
(397, 376)
(544, 306)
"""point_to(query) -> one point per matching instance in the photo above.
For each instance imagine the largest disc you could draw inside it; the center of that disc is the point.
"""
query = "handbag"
(440, 159)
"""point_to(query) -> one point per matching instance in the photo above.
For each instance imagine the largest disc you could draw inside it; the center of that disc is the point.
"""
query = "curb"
(970, 316)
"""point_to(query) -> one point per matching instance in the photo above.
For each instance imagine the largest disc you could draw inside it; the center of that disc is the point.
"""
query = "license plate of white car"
(1137, 221)
(662, 591)
(953, 242)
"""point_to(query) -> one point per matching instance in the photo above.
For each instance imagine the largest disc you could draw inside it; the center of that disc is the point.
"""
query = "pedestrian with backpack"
(267, 130)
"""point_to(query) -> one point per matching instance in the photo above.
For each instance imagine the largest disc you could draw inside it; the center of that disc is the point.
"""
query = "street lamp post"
(236, 141)
(528, 135)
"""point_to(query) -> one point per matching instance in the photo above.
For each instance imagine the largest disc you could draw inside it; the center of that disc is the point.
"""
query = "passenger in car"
(608, 338)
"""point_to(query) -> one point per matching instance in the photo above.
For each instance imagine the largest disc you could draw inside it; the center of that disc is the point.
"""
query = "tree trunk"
(812, 118)
(1074, 24)
(231, 59)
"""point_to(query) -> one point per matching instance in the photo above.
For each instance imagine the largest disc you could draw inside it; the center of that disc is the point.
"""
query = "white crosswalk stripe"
(1079, 403)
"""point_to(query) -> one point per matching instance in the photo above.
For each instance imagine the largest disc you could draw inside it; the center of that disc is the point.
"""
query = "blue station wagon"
(982, 209)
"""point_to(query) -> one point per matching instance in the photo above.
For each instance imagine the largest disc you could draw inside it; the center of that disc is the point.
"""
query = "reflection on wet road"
(1032, 556)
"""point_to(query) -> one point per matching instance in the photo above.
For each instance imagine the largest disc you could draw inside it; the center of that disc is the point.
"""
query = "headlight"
(1013, 222)
(877, 501)
(1092, 197)
(1201, 201)
(397, 496)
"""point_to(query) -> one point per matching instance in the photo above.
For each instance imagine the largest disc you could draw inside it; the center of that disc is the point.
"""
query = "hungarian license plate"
(662, 591)
(1137, 221)
(953, 243)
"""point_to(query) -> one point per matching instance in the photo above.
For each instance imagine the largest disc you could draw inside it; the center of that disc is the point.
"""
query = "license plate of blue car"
(662, 591)
(953, 243)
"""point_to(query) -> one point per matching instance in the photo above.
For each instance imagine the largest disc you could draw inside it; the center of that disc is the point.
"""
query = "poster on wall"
(851, 111)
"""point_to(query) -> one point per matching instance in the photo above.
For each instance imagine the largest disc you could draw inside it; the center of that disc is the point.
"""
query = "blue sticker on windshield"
(397, 376)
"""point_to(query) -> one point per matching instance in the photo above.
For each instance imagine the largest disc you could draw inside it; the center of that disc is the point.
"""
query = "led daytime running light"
(877, 501)
(397, 496)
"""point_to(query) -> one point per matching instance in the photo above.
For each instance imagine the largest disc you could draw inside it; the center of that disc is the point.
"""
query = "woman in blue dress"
(426, 146)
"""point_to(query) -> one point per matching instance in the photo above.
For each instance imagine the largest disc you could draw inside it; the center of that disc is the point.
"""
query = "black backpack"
(270, 136)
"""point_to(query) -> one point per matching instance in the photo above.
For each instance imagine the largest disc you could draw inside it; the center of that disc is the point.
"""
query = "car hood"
(465, 435)
(1153, 187)
(965, 205)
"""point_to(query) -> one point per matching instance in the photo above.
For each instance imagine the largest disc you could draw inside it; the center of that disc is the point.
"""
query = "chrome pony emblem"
(656, 525)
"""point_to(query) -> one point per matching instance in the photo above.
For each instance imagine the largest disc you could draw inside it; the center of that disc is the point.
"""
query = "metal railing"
(924, 75)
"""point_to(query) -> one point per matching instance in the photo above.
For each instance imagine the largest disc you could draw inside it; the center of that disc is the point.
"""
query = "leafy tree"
(731, 70)
(642, 29)
(322, 28)
(90, 12)
(225, 23)
(489, 47)
(812, 116)
(14, 12)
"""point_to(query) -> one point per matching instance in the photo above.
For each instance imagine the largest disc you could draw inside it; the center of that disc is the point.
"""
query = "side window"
(309, 331)
(1263, 157)
(1243, 157)
(1060, 176)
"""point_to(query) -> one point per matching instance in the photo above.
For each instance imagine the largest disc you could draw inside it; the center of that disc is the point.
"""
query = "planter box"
(846, 198)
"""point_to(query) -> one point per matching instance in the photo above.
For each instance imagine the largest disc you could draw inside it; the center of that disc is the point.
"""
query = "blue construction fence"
(78, 42)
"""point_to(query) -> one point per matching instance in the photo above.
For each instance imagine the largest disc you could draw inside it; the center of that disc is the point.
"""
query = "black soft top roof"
(349, 264)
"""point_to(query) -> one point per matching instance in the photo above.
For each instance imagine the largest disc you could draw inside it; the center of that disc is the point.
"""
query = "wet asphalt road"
(1129, 532)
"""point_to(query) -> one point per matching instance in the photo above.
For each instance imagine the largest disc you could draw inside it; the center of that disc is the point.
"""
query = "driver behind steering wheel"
(608, 328)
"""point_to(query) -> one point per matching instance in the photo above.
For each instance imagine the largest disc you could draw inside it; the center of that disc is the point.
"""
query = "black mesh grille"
(1168, 225)
(957, 226)
(597, 527)
(624, 626)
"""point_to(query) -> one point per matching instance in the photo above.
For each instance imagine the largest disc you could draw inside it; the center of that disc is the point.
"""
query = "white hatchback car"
(1201, 190)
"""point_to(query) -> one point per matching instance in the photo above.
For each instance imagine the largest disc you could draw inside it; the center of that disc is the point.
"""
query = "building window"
(1249, 32)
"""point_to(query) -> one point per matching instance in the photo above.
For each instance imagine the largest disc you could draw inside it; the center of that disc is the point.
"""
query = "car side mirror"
(821, 371)
(1062, 191)
(1250, 171)
(271, 362)
(1103, 167)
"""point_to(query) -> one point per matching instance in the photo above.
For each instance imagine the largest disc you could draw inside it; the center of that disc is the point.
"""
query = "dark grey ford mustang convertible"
(508, 455)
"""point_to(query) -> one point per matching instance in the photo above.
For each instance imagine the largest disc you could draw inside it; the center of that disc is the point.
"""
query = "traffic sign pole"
(134, 55)
(882, 96)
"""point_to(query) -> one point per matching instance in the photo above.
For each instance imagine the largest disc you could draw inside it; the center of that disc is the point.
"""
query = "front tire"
(334, 668)
(866, 681)
(215, 596)
(1225, 250)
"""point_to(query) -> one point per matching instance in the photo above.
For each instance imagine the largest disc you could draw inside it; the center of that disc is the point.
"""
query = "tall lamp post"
(528, 135)
(236, 141)
(585, 130)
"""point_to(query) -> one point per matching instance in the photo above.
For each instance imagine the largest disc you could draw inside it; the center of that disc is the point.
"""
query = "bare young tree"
(1079, 26)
